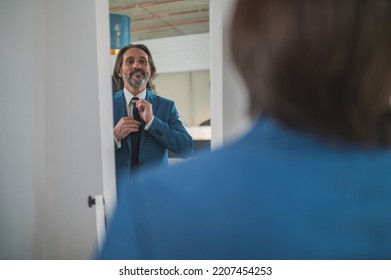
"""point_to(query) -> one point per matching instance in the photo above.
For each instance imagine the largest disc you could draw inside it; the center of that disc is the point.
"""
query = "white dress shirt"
(129, 107)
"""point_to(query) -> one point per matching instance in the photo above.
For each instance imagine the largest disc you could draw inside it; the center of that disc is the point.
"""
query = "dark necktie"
(135, 138)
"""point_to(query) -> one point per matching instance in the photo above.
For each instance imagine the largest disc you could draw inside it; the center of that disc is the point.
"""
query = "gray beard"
(137, 83)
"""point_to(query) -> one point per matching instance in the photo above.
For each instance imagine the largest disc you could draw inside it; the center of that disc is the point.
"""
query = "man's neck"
(135, 91)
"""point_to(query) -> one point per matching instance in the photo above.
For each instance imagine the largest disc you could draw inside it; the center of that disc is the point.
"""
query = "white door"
(56, 145)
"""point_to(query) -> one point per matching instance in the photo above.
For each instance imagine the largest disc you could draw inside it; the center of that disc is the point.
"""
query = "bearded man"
(146, 126)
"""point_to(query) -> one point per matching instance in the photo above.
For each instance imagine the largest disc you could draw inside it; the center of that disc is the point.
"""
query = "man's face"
(135, 70)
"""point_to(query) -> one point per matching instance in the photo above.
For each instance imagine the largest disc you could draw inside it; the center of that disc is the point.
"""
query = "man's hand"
(144, 109)
(125, 126)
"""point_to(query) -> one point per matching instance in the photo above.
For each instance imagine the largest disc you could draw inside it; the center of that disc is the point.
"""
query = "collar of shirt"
(141, 95)
(129, 95)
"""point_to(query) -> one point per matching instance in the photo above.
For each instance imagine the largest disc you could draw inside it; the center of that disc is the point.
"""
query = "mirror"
(177, 33)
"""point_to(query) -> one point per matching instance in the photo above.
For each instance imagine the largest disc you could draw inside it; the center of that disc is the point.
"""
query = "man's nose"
(136, 65)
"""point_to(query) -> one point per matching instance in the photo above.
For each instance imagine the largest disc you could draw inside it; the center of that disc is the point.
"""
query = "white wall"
(191, 92)
(228, 93)
(56, 126)
(180, 53)
(18, 142)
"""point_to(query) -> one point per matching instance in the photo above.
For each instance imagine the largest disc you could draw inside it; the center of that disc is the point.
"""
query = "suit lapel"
(119, 105)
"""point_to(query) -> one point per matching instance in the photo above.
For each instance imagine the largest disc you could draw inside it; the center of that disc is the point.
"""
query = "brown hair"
(319, 65)
(118, 83)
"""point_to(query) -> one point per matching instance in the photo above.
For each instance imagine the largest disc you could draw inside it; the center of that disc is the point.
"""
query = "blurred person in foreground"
(312, 179)
(146, 125)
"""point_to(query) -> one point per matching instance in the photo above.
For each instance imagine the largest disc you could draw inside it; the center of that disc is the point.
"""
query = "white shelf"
(200, 132)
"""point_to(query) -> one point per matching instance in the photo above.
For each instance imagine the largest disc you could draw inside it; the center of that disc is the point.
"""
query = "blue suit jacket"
(165, 133)
(274, 194)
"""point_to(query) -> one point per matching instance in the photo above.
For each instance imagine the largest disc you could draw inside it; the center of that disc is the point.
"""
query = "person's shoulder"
(118, 98)
(118, 94)
(158, 98)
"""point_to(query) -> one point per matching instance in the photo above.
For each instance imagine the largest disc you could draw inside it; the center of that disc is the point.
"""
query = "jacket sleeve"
(171, 133)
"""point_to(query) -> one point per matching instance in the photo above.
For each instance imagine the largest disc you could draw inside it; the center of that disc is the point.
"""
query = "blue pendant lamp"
(119, 32)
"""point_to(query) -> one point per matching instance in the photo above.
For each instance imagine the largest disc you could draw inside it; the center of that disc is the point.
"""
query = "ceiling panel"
(165, 18)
